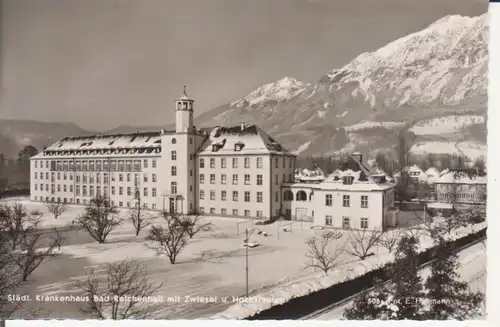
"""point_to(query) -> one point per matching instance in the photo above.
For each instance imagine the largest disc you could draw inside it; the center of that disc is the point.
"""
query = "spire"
(184, 94)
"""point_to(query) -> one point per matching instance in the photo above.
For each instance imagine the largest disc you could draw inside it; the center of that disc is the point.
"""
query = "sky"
(106, 63)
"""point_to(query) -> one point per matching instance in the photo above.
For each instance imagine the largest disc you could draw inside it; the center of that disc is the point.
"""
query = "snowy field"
(213, 264)
(445, 125)
(372, 124)
(472, 270)
(472, 150)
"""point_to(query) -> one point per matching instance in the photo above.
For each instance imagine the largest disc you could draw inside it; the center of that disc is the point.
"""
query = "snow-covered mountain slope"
(447, 124)
(281, 90)
(439, 71)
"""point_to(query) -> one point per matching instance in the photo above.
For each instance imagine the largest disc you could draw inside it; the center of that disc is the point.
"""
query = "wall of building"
(461, 193)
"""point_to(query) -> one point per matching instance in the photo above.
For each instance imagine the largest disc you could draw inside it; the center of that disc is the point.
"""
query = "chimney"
(242, 125)
(358, 156)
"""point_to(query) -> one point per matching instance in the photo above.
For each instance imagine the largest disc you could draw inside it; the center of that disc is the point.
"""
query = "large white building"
(226, 171)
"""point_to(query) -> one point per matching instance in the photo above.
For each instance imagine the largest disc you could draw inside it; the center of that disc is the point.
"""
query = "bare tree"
(99, 219)
(360, 242)
(194, 225)
(389, 239)
(9, 278)
(171, 240)
(15, 222)
(57, 208)
(138, 215)
(321, 253)
(123, 294)
(35, 247)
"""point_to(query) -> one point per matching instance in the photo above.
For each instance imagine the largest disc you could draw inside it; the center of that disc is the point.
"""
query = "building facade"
(237, 171)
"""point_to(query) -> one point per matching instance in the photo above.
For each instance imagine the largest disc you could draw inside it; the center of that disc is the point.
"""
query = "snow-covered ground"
(371, 124)
(470, 149)
(472, 270)
(445, 125)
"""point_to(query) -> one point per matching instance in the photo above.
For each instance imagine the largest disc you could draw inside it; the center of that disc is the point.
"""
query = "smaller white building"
(352, 197)
(429, 176)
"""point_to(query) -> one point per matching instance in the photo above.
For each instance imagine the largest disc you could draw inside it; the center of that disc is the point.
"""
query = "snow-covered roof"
(353, 175)
(105, 145)
(440, 205)
(432, 172)
(463, 176)
(241, 140)
(309, 175)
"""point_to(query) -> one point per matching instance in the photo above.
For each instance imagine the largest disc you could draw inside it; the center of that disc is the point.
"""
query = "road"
(472, 270)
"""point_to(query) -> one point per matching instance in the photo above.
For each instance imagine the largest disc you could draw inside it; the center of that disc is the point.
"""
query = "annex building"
(235, 171)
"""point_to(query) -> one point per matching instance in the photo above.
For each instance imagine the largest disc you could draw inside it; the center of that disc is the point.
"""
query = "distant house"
(429, 176)
(414, 172)
(352, 197)
(305, 175)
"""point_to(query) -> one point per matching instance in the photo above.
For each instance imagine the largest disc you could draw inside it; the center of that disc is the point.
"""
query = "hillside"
(432, 83)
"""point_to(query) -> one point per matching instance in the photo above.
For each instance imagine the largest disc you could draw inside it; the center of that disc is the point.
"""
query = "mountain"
(431, 83)
(435, 73)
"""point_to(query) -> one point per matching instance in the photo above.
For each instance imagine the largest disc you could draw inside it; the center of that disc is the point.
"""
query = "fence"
(299, 307)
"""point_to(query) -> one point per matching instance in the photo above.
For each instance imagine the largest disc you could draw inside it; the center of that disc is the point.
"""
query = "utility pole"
(246, 259)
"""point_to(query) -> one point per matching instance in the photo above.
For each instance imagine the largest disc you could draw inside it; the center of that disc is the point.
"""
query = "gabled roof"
(364, 179)
(251, 140)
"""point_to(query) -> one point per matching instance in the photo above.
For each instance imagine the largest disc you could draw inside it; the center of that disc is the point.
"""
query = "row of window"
(235, 196)
(120, 204)
(302, 196)
(105, 189)
(461, 196)
(246, 178)
(346, 222)
(234, 212)
(90, 177)
(246, 162)
(98, 165)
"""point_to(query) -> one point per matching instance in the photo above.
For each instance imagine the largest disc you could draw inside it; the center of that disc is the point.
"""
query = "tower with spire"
(184, 113)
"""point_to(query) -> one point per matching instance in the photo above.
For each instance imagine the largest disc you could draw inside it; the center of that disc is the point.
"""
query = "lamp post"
(246, 259)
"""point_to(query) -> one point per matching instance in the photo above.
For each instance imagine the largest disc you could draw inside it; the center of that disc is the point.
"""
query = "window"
(145, 191)
(129, 191)
(276, 196)
(113, 190)
(223, 179)
(91, 190)
(202, 210)
(212, 195)
(223, 211)
(145, 163)
(202, 163)
(174, 141)
(58, 188)
(212, 178)
(223, 163)
(65, 188)
(259, 213)
(36, 174)
(153, 163)
(247, 179)
(235, 162)
(120, 177)
(259, 197)
(154, 178)
(328, 221)
(173, 171)
(247, 196)
(129, 177)
(223, 195)
(153, 206)
(235, 212)
(202, 195)
(346, 223)
(301, 196)
(153, 192)
(36, 186)
(364, 222)
(235, 195)
(276, 162)
(328, 200)
(259, 162)
(284, 162)
(247, 213)
(212, 162)
(173, 187)
(364, 201)
(247, 162)
(120, 191)
(235, 179)
(202, 179)
(346, 201)
(259, 179)
(212, 210)
(283, 179)
(173, 155)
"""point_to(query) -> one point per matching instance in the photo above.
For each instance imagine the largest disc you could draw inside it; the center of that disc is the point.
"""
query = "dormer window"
(348, 180)
(174, 141)
(215, 147)
(238, 146)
